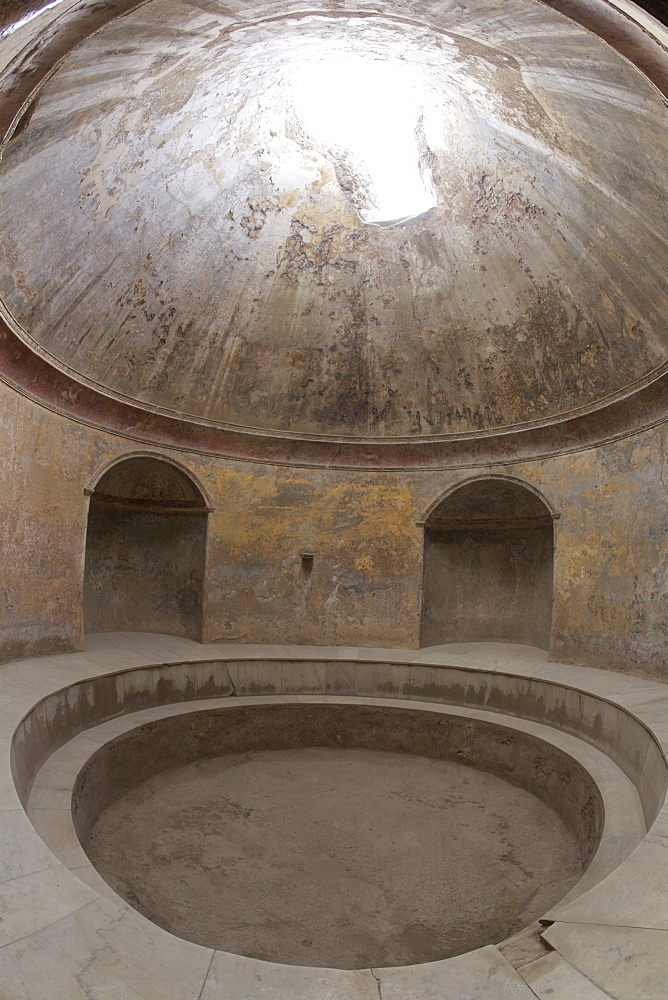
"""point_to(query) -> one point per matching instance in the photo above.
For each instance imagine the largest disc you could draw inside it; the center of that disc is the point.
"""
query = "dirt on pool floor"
(341, 858)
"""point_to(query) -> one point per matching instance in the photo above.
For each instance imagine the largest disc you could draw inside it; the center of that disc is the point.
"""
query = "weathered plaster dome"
(176, 233)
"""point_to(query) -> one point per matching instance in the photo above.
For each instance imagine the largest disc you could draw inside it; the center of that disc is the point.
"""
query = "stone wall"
(488, 584)
(364, 587)
(144, 568)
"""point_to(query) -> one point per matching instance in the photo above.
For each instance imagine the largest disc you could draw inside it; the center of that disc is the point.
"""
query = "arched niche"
(488, 565)
(145, 550)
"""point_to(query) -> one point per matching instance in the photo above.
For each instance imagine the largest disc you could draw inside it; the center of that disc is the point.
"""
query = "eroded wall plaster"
(611, 544)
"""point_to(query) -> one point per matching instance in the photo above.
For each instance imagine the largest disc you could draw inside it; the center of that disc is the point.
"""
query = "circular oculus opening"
(369, 113)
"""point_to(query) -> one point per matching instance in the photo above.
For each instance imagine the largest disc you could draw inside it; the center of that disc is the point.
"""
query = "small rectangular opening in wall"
(307, 561)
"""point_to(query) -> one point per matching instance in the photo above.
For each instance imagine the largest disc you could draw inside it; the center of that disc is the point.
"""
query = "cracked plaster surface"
(211, 262)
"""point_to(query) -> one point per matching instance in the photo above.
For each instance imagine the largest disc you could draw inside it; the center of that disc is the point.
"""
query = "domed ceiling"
(440, 220)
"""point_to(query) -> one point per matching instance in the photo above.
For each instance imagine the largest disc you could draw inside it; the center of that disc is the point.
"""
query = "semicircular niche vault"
(145, 550)
(488, 565)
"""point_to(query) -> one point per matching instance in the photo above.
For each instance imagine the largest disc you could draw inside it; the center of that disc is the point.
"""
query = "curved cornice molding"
(31, 375)
(638, 36)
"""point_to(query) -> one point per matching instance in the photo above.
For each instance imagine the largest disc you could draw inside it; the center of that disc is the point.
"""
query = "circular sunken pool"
(336, 835)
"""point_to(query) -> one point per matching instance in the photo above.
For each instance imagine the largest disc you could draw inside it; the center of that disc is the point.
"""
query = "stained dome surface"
(175, 231)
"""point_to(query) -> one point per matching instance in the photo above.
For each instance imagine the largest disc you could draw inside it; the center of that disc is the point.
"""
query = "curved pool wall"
(67, 935)
(518, 757)
(61, 715)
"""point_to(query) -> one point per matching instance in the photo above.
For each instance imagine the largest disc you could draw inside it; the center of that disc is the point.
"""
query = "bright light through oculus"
(370, 109)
